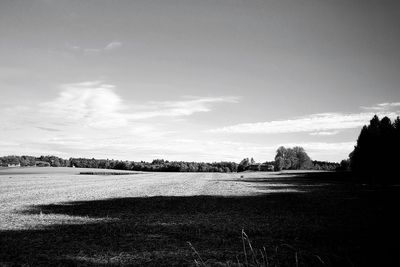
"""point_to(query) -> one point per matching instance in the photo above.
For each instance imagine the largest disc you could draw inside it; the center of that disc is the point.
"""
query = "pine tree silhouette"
(376, 154)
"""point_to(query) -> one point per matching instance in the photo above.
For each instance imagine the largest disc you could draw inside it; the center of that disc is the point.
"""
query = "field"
(55, 216)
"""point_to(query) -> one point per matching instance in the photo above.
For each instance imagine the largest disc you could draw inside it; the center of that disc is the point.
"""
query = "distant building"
(14, 165)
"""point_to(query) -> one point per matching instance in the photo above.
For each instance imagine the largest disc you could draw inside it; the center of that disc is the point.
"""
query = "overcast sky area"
(195, 80)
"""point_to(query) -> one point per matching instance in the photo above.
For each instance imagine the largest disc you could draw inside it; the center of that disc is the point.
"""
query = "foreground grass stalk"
(244, 248)
(257, 262)
(198, 255)
(266, 257)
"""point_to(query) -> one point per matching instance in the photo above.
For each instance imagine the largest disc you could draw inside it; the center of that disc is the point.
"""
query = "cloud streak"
(382, 106)
(315, 124)
(114, 45)
(181, 108)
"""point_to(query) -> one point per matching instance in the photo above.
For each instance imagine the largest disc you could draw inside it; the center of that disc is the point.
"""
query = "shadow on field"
(341, 225)
(300, 179)
(301, 182)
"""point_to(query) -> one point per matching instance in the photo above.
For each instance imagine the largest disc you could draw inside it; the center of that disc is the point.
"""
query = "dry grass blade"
(238, 262)
(319, 258)
(198, 255)
(262, 256)
(254, 256)
(266, 257)
(244, 247)
(289, 246)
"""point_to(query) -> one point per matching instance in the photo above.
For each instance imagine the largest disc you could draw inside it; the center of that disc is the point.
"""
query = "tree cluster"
(296, 158)
(292, 159)
(376, 155)
(244, 164)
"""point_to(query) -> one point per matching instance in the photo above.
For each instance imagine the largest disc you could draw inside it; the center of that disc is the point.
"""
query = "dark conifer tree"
(375, 156)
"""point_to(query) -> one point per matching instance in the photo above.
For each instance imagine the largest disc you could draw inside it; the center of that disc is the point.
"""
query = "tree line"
(286, 159)
(157, 165)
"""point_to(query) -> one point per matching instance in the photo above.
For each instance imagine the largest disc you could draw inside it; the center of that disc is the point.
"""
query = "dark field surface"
(324, 221)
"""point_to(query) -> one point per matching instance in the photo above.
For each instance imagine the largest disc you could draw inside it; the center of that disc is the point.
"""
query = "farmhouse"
(14, 165)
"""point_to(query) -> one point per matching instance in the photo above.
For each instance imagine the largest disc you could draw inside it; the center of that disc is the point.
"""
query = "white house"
(14, 165)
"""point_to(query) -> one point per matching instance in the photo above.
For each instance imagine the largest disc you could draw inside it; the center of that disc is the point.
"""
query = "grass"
(196, 219)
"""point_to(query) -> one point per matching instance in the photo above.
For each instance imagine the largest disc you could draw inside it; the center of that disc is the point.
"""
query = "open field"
(54, 216)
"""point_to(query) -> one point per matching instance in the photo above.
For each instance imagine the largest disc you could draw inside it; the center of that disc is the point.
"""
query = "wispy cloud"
(186, 107)
(327, 133)
(382, 106)
(91, 103)
(114, 45)
(315, 124)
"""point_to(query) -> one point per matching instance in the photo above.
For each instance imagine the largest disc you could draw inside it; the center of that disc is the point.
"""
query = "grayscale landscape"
(235, 133)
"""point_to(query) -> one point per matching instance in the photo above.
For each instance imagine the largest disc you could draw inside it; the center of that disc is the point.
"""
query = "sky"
(195, 80)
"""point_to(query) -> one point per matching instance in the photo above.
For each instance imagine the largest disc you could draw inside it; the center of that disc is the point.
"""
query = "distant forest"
(157, 165)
